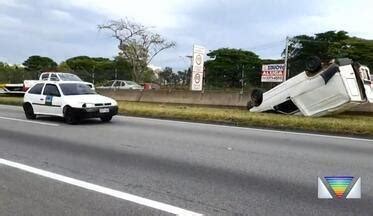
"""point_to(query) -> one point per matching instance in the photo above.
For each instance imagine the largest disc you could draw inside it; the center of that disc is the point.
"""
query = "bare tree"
(136, 44)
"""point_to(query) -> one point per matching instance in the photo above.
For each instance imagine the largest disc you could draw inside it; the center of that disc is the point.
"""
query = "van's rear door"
(368, 84)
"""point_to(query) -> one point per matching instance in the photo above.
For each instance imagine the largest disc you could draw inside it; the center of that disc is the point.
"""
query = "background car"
(121, 84)
(55, 76)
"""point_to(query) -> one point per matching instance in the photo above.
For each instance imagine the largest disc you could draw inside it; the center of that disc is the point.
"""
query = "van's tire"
(313, 65)
(106, 118)
(249, 105)
(256, 97)
(29, 111)
(70, 117)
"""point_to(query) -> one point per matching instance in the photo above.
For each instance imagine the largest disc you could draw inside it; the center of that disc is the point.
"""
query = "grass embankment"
(357, 124)
(11, 100)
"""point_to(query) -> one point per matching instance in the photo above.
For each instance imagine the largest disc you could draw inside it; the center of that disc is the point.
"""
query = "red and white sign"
(273, 73)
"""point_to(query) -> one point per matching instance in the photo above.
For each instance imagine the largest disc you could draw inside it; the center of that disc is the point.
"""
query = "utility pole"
(242, 79)
(286, 58)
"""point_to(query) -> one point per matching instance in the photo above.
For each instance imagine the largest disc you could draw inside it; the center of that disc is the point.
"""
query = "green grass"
(11, 100)
(347, 124)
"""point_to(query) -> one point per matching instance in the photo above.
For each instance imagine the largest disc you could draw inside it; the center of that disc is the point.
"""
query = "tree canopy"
(327, 46)
(226, 67)
(101, 68)
(37, 64)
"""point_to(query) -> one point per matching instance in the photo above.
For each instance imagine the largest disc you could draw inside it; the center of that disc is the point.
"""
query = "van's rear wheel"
(256, 97)
(29, 111)
(70, 117)
(106, 118)
(249, 105)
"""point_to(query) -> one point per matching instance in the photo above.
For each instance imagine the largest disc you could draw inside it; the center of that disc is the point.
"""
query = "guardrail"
(210, 98)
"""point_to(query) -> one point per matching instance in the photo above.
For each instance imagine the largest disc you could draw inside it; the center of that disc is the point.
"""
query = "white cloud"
(8, 21)
(161, 13)
(60, 15)
(352, 16)
(64, 28)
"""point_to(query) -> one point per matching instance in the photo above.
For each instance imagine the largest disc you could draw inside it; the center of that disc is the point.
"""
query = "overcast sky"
(61, 29)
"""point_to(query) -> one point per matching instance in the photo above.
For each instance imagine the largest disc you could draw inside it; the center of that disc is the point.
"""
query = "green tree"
(63, 67)
(328, 45)
(83, 66)
(166, 76)
(361, 50)
(229, 66)
(184, 76)
(12, 73)
(38, 64)
(101, 69)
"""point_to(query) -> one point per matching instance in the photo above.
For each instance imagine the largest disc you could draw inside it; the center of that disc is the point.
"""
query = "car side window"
(36, 89)
(117, 84)
(44, 76)
(51, 90)
(54, 77)
(123, 83)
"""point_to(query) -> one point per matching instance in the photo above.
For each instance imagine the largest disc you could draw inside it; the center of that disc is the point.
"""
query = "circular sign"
(197, 78)
(199, 59)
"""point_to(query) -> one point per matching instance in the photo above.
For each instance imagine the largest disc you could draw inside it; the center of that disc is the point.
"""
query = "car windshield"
(76, 89)
(69, 77)
(131, 83)
(108, 83)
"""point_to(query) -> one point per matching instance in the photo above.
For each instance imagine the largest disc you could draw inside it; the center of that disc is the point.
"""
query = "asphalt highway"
(95, 168)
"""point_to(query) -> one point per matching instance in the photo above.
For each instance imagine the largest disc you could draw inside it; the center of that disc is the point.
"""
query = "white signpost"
(273, 73)
(198, 68)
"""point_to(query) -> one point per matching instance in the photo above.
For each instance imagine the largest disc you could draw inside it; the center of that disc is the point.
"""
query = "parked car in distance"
(151, 86)
(54, 76)
(13, 89)
(121, 84)
(320, 90)
(71, 100)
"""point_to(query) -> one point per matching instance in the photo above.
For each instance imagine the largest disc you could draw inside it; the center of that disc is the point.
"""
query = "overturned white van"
(318, 91)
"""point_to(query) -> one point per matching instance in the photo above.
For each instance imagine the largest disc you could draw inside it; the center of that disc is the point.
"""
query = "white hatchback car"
(72, 100)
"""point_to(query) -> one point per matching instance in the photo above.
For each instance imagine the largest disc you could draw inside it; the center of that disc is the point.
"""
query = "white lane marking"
(248, 128)
(28, 121)
(104, 190)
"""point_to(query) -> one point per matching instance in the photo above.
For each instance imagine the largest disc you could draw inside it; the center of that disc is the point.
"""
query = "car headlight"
(114, 103)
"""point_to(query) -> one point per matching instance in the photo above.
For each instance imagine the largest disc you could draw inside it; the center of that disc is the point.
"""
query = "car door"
(36, 98)
(53, 100)
(124, 85)
(116, 84)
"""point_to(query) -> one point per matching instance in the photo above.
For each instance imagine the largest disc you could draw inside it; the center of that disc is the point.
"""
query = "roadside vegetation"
(344, 124)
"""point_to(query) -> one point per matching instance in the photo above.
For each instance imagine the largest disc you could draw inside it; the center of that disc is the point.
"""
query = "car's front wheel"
(70, 117)
(29, 111)
(106, 118)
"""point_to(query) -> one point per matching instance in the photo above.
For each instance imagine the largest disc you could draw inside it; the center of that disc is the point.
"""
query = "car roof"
(57, 72)
(62, 82)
